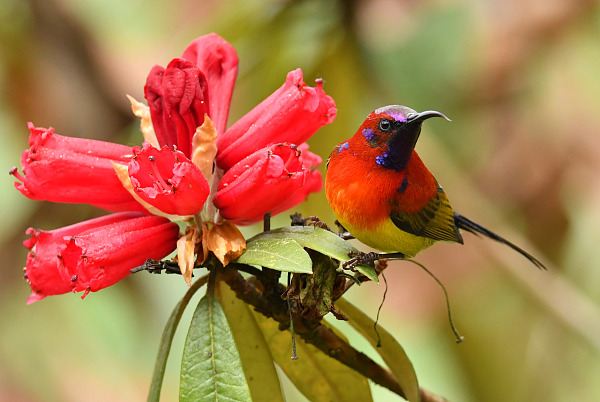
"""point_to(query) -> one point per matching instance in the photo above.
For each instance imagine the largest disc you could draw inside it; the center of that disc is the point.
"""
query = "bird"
(382, 193)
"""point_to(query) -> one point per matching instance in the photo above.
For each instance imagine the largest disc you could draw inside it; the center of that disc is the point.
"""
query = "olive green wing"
(435, 220)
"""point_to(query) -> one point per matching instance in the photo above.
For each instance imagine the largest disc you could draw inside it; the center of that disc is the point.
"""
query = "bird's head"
(389, 135)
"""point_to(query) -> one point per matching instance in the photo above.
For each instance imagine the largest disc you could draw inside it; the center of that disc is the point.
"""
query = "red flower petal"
(259, 183)
(100, 257)
(218, 60)
(310, 160)
(312, 184)
(168, 180)
(178, 99)
(74, 170)
(291, 114)
(313, 180)
(44, 270)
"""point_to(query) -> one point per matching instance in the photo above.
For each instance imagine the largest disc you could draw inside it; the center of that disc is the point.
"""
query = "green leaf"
(320, 240)
(281, 254)
(391, 351)
(211, 368)
(167, 339)
(254, 352)
(318, 376)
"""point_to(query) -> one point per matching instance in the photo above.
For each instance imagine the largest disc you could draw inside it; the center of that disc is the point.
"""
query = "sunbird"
(383, 194)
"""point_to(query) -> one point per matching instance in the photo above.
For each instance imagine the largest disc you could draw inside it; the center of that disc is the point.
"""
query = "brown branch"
(264, 292)
(427, 396)
(316, 334)
(380, 266)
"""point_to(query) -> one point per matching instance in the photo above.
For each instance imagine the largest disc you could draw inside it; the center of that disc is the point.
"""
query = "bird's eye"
(385, 125)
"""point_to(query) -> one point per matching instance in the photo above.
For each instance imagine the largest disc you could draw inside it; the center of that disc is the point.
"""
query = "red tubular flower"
(94, 254)
(218, 60)
(259, 183)
(103, 256)
(313, 184)
(310, 159)
(43, 268)
(168, 180)
(291, 114)
(263, 170)
(74, 170)
(178, 99)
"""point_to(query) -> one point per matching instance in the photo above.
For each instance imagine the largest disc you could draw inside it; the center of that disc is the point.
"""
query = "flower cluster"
(189, 167)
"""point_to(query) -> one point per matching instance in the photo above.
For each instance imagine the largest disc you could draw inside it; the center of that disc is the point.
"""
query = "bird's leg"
(298, 220)
(360, 258)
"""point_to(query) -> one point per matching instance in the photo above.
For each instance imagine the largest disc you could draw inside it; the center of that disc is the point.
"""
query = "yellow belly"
(388, 238)
(360, 199)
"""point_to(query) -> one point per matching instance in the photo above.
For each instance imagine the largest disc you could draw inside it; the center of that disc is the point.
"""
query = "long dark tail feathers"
(475, 228)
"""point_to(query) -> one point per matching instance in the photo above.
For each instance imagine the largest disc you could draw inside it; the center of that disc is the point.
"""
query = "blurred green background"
(520, 81)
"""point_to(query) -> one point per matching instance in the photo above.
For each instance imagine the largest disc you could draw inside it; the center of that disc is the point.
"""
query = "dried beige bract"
(226, 242)
(143, 112)
(186, 250)
(204, 148)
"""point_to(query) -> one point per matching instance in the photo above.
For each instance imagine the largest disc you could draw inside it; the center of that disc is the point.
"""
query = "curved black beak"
(403, 141)
(416, 118)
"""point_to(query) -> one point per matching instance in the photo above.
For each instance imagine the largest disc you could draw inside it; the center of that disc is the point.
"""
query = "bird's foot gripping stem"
(360, 258)
(298, 220)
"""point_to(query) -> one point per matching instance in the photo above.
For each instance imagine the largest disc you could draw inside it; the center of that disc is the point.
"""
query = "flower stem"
(289, 305)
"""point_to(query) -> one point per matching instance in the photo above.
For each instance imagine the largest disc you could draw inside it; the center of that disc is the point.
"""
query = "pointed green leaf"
(167, 339)
(391, 351)
(281, 254)
(318, 376)
(256, 357)
(320, 240)
(211, 368)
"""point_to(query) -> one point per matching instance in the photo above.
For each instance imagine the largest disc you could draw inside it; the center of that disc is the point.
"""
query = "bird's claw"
(298, 220)
(360, 258)
(316, 222)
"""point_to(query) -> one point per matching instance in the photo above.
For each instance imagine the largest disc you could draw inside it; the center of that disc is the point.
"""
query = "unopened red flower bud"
(74, 170)
(313, 184)
(218, 61)
(178, 99)
(94, 254)
(259, 183)
(291, 114)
